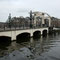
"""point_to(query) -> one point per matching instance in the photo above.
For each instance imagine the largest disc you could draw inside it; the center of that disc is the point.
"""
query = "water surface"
(43, 48)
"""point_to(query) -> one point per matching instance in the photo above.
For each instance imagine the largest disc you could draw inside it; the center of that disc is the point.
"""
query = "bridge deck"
(3, 30)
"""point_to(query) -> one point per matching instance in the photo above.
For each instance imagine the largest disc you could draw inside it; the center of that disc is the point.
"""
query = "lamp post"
(9, 17)
(31, 19)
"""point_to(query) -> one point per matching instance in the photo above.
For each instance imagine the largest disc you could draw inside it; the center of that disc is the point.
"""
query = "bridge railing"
(8, 27)
(17, 28)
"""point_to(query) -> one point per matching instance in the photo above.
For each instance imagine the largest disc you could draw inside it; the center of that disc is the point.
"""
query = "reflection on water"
(43, 48)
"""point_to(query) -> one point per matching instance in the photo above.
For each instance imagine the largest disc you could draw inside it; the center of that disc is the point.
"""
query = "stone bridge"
(15, 33)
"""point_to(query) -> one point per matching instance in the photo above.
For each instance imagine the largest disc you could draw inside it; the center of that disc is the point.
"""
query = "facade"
(55, 22)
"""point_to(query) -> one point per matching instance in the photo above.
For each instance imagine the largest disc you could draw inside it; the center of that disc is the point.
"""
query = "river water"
(43, 48)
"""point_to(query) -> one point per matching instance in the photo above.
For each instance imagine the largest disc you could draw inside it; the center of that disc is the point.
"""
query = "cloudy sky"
(22, 7)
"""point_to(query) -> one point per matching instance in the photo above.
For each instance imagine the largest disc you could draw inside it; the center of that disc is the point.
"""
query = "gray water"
(43, 48)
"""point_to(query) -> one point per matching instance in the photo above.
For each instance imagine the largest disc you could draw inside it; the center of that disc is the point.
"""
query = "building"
(55, 22)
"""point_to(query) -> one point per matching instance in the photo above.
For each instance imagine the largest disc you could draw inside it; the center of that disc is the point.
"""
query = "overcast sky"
(22, 7)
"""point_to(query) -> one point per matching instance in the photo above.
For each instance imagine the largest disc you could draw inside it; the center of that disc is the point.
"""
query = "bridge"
(44, 22)
(15, 33)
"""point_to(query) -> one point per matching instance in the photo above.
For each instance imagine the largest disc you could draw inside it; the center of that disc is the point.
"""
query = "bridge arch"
(44, 32)
(23, 37)
(37, 33)
(5, 37)
(5, 40)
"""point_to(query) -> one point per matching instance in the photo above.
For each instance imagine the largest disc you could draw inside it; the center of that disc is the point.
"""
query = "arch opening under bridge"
(44, 33)
(23, 37)
(5, 41)
(37, 34)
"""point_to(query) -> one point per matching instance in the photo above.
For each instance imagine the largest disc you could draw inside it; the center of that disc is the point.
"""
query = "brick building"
(55, 22)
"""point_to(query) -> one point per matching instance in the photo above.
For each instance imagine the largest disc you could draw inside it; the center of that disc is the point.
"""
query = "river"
(43, 48)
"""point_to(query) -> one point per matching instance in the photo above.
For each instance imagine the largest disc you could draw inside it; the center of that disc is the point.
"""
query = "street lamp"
(31, 19)
(9, 17)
